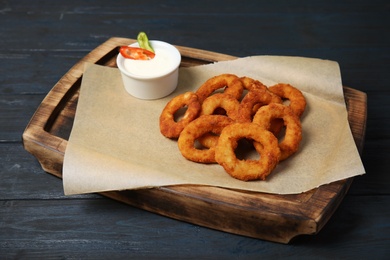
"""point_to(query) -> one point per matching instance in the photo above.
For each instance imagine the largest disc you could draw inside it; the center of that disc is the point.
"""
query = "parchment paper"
(115, 143)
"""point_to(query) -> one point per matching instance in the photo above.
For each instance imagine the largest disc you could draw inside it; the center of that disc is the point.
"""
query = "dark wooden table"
(42, 40)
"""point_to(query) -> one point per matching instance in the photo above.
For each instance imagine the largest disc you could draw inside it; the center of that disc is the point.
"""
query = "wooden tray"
(277, 218)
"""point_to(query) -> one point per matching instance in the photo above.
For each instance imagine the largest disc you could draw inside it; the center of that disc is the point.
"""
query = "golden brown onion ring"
(259, 97)
(294, 95)
(220, 100)
(210, 106)
(168, 126)
(230, 83)
(195, 129)
(247, 169)
(293, 136)
(252, 84)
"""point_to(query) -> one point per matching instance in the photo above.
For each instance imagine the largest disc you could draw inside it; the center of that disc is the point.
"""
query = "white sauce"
(161, 64)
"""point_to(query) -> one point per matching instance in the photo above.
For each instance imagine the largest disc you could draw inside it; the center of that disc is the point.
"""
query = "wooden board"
(277, 218)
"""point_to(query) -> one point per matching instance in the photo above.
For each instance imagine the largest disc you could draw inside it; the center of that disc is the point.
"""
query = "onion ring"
(210, 106)
(252, 84)
(294, 95)
(210, 139)
(168, 126)
(253, 98)
(293, 136)
(197, 128)
(247, 170)
(232, 84)
(256, 99)
(220, 100)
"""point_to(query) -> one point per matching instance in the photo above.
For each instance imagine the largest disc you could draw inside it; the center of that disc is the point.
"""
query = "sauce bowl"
(151, 79)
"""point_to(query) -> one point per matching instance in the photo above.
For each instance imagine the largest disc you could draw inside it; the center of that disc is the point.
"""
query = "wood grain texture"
(41, 40)
(113, 230)
(282, 217)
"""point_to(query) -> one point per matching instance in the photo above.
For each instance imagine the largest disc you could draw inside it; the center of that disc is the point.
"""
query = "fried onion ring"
(220, 100)
(247, 170)
(255, 97)
(197, 128)
(252, 84)
(210, 139)
(293, 136)
(168, 126)
(229, 118)
(294, 95)
(210, 106)
(229, 82)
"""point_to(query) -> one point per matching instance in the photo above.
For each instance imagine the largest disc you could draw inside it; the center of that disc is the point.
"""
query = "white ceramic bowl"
(143, 80)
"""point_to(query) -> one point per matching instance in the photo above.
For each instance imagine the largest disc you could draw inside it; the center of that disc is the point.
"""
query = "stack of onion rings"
(252, 111)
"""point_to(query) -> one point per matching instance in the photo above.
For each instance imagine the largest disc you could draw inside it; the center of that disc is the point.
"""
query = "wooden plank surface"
(41, 40)
(282, 217)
